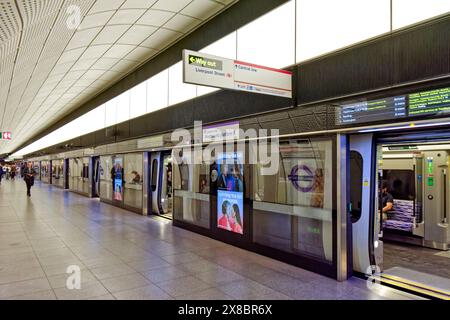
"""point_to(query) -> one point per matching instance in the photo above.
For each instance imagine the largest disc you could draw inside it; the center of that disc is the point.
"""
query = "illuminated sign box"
(6, 135)
(221, 132)
(151, 142)
(213, 71)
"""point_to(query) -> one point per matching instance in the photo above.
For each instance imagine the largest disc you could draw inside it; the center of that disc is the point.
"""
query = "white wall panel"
(158, 91)
(138, 100)
(179, 91)
(327, 25)
(123, 107)
(405, 12)
(95, 119)
(270, 39)
(225, 47)
(111, 112)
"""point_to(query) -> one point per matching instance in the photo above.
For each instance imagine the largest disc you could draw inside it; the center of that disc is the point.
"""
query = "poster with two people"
(117, 176)
(230, 192)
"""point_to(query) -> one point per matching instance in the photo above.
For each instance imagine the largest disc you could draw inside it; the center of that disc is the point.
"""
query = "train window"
(154, 174)
(356, 181)
(401, 183)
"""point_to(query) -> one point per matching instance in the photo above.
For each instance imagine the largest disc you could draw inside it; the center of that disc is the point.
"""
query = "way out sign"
(6, 135)
(213, 71)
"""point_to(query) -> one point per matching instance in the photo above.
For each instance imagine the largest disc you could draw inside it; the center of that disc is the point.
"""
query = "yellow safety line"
(416, 284)
(412, 288)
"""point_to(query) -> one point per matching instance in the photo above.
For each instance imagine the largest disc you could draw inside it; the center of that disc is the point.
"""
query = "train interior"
(415, 232)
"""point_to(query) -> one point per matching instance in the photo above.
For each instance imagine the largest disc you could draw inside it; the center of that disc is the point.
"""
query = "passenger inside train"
(387, 200)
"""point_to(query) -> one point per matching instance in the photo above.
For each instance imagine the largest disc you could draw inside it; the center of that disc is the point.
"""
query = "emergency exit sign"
(5, 135)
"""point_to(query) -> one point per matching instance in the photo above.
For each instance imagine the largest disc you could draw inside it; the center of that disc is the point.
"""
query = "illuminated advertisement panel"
(117, 174)
(230, 192)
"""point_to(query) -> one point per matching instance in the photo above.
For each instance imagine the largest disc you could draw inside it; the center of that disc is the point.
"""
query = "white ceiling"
(49, 67)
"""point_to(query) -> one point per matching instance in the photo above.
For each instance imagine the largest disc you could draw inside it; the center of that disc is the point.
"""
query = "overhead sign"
(208, 70)
(213, 71)
(221, 132)
(150, 142)
(265, 80)
(89, 152)
(5, 135)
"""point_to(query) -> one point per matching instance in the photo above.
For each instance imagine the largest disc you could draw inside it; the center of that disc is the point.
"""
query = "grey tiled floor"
(123, 255)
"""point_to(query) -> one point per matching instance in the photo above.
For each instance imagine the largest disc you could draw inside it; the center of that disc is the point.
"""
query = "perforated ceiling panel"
(57, 54)
(9, 25)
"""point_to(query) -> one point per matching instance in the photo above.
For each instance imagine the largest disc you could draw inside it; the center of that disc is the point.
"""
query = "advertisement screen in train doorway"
(230, 192)
(118, 179)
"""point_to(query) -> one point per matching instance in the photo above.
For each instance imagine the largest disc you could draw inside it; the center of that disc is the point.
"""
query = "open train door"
(96, 177)
(407, 246)
(363, 180)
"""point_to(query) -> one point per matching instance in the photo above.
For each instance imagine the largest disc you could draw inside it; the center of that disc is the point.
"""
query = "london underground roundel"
(302, 178)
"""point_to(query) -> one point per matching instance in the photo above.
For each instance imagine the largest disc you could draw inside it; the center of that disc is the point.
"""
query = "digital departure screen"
(372, 110)
(429, 102)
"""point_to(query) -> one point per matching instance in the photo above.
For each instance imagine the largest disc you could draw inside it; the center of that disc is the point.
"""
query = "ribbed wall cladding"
(422, 53)
(283, 126)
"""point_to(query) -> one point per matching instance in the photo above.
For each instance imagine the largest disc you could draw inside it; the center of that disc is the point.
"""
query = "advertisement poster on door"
(230, 192)
(118, 179)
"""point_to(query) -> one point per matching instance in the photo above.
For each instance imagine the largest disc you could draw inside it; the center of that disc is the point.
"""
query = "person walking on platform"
(13, 172)
(28, 176)
(22, 168)
(1, 173)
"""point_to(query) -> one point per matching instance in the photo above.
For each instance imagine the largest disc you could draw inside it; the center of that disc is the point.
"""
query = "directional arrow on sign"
(192, 59)
(6, 135)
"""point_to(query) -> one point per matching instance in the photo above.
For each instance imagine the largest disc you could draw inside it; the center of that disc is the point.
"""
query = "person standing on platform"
(28, 176)
(7, 171)
(1, 173)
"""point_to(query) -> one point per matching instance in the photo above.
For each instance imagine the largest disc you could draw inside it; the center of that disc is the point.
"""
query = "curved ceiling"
(57, 54)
